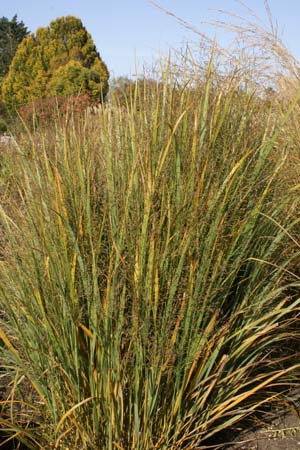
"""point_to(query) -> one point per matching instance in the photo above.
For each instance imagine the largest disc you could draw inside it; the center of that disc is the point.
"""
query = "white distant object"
(6, 139)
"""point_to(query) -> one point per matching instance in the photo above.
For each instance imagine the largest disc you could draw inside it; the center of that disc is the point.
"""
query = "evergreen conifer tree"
(59, 60)
(12, 32)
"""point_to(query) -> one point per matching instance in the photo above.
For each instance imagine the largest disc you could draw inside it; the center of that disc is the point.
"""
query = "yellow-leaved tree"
(59, 60)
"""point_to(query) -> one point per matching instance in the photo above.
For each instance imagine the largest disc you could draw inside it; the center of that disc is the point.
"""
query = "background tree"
(60, 60)
(12, 33)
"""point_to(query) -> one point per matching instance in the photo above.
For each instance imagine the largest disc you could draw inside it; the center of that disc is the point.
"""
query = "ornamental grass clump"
(147, 297)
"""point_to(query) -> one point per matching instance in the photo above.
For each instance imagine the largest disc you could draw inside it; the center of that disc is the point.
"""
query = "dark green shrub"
(3, 125)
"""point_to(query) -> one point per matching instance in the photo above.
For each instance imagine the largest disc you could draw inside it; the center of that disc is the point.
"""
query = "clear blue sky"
(127, 32)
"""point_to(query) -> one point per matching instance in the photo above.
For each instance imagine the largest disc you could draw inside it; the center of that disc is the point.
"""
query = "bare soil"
(281, 433)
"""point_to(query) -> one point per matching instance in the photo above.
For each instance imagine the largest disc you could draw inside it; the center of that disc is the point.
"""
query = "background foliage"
(59, 60)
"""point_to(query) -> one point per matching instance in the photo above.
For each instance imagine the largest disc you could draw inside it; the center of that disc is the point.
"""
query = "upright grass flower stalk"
(145, 294)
